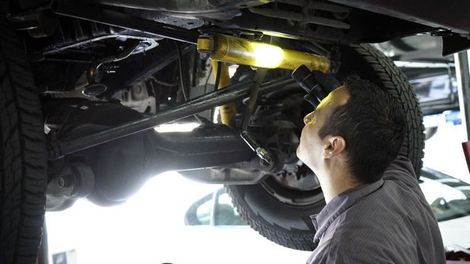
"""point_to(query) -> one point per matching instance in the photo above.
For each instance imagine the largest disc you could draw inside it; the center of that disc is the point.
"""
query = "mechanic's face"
(312, 149)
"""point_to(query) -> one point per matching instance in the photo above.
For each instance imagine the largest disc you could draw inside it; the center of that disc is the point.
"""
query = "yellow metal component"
(227, 111)
(228, 49)
(242, 51)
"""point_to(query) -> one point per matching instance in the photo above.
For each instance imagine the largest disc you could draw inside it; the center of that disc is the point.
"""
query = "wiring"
(162, 82)
(181, 72)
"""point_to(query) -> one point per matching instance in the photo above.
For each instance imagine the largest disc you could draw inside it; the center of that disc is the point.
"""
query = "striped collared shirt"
(388, 221)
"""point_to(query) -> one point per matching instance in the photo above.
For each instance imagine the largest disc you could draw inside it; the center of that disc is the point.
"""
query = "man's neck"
(337, 183)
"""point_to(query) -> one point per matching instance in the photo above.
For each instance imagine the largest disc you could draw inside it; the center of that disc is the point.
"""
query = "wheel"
(281, 212)
(22, 155)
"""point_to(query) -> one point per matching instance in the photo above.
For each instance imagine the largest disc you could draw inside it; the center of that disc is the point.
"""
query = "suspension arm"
(234, 92)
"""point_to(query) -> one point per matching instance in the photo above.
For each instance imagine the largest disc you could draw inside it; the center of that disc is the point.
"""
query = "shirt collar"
(338, 205)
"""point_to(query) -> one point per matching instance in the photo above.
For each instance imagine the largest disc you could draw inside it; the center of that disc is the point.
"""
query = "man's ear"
(333, 146)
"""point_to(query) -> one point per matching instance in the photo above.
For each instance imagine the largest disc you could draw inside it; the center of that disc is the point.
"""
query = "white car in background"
(450, 201)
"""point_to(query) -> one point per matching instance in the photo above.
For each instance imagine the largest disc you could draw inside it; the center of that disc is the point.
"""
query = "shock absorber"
(258, 54)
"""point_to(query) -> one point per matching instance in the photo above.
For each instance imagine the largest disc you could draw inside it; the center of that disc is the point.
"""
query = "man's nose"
(308, 118)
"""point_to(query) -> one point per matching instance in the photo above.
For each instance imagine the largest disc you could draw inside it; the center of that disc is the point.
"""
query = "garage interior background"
(149, 229)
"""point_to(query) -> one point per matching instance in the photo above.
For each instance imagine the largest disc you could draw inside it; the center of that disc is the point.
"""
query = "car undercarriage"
(100, 75)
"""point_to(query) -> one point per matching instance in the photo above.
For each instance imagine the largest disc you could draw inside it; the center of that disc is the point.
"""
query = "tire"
(22, 155)
(288, 223)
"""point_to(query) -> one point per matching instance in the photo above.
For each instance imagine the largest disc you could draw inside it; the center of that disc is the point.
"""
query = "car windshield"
(449, 197)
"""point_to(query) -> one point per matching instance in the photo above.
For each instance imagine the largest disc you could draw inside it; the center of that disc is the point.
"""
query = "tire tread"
(23, 154)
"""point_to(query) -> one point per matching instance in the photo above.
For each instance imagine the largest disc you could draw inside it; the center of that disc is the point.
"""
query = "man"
(375, 211)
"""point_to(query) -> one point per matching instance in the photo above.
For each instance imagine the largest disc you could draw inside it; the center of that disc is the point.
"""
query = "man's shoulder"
(360, 242)
(357, 224)
(376, 227)
(344, 247)
(370, 219)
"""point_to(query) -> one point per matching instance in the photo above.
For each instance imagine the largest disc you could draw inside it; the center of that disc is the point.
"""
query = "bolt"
(61, 182)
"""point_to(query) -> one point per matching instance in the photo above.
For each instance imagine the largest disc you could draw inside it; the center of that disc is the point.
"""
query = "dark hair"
(373, 126)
